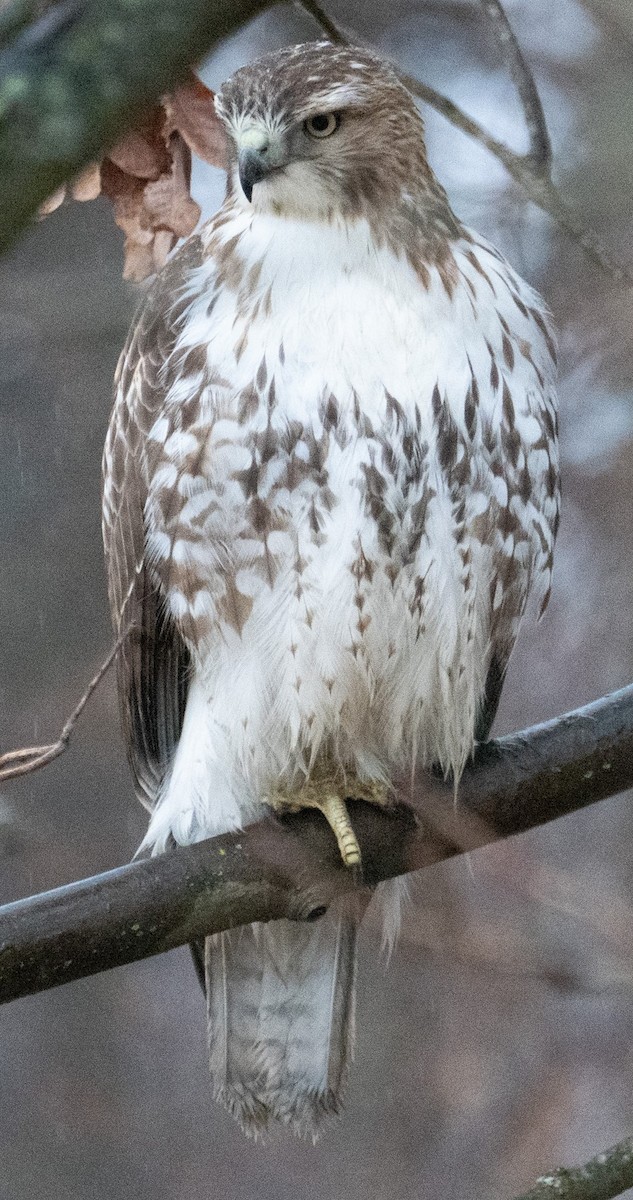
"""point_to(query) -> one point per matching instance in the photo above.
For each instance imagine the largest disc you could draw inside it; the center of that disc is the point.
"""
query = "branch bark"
(291, 868)
(607, 1175)
(73, 81)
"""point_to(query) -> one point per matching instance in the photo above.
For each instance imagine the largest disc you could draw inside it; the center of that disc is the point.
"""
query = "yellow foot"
(329, 799)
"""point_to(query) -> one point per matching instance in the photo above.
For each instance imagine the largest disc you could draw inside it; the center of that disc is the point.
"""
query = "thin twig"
(540, 155)
(32, 758)
(331, 30)
(539, 187)
(607, 1175)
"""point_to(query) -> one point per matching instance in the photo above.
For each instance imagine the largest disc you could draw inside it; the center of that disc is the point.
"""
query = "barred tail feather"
(280, 1007)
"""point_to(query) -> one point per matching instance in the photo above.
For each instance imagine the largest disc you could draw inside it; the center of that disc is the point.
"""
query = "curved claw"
(322, 793)
(335, 812)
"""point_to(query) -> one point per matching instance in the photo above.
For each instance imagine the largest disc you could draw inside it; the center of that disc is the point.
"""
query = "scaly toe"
(334, 810)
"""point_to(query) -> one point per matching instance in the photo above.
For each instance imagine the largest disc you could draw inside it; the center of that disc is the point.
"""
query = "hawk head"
(322, 132)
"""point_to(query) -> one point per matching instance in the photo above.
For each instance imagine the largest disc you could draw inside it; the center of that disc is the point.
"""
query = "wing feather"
(153, 665)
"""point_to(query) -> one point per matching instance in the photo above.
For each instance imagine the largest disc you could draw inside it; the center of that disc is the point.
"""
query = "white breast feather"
(356, 323)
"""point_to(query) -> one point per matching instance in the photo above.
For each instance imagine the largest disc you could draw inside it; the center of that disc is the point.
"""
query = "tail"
(280, 1006)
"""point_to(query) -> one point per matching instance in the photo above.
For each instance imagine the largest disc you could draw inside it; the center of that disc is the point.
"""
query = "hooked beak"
(259, 154)
(253, 166)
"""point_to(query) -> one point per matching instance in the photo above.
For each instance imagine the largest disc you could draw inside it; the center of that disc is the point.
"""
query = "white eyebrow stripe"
(343, 93)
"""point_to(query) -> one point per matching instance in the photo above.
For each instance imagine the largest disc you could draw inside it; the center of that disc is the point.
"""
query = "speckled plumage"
(331, 484)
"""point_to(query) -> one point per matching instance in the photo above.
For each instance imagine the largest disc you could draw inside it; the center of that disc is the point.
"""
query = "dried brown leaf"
(190, 110)
(125, 191)
(162, 245)
(126, 194)
(168, 201)
(138, 261)
(147, 176)
(53, 202)
(153, 214)
(142, 152)
(87, 186)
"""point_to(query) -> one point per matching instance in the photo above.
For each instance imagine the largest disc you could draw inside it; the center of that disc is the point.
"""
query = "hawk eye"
(322, 125)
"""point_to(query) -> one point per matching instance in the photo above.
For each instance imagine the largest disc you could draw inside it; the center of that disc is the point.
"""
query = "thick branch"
(71, 83)
(607, 1175)
(291, 869)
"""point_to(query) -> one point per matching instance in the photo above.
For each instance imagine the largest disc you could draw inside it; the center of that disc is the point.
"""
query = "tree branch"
(76, 79)
(540, 145)
(291, 868)
(607, 1175)
(16, 15)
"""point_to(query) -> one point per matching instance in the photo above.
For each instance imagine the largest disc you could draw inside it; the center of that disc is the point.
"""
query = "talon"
(322, 792)
(335, 812)
(333, 808)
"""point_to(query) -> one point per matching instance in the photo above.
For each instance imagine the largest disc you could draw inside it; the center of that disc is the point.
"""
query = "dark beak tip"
(252, 168)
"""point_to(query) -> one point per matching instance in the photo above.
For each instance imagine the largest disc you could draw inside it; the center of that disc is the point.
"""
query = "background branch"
(31, 758)
(16, 15)
(540, 146)
(292, 868)
(607, 1175)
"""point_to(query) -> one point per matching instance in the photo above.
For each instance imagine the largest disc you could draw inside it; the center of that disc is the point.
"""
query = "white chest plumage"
(351, 491)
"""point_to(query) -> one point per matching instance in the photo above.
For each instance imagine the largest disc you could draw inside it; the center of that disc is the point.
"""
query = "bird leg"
(328, 794)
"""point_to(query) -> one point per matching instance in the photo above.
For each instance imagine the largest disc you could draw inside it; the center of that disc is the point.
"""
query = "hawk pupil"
(320, 123)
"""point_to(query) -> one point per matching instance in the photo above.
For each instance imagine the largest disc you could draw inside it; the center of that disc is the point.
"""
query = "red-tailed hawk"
(331, 483)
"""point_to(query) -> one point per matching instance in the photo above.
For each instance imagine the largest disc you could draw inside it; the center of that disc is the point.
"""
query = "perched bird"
(331, 483)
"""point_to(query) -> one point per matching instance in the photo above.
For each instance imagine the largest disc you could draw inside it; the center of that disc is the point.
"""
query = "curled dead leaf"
(190, 110)
(87, 186)
(147, 175)
(53, 202)
(168, 201)
(143, 152)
